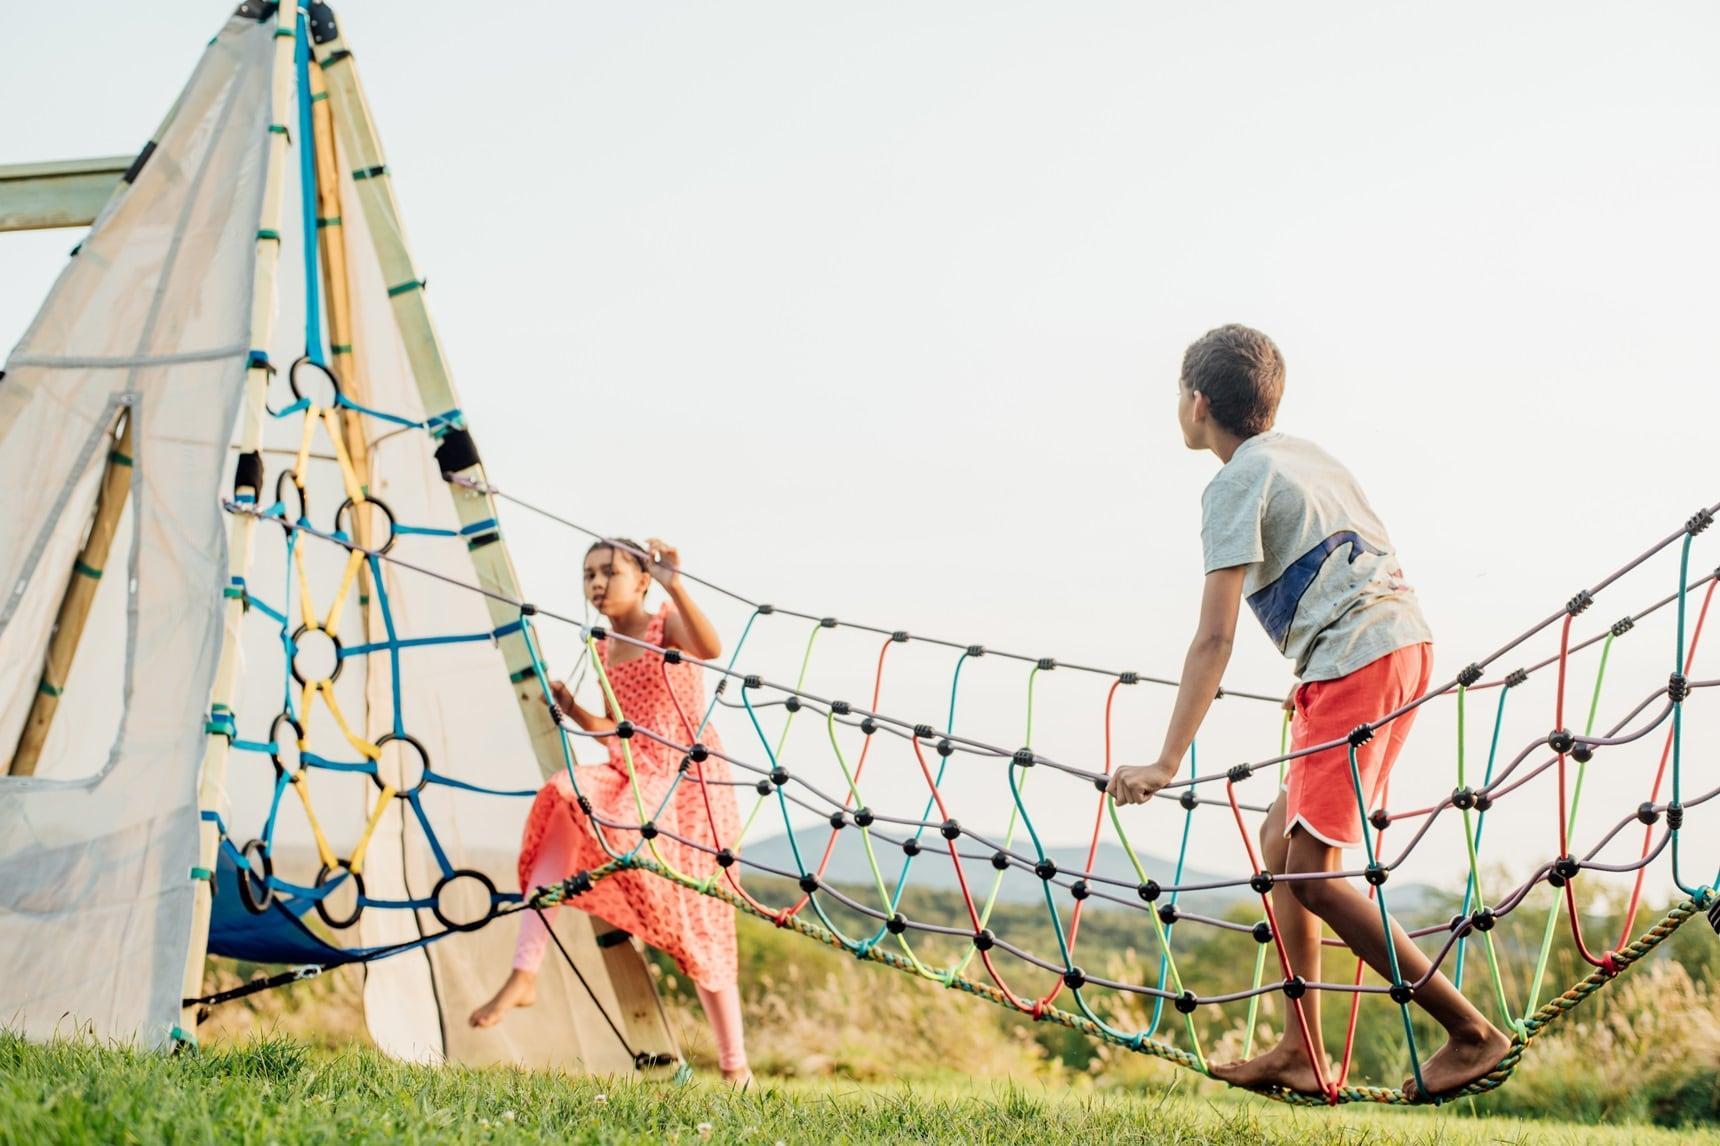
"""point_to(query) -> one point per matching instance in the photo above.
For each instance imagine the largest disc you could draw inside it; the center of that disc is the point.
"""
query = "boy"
(1287, 526)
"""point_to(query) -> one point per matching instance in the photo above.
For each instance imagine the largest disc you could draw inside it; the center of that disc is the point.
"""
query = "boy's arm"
(1203, 669)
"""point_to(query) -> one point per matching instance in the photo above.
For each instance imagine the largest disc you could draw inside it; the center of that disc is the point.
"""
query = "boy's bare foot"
(519, 991)
(1463, 1059)
(740, 1079)
(1282, 1066)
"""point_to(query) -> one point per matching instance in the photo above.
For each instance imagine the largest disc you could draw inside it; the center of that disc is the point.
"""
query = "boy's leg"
(1474, 1046)
(1287, 1064)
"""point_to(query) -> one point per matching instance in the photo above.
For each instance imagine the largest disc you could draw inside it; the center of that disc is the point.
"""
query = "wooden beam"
(66, 193)
(75, 605)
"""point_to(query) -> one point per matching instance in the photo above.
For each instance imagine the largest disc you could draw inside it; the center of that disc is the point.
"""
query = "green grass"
(278, 1090)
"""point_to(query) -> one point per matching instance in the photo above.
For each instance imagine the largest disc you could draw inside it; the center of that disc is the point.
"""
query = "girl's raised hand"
(665, 562)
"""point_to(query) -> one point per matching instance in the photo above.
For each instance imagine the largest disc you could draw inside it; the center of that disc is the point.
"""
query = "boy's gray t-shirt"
(1321, 573)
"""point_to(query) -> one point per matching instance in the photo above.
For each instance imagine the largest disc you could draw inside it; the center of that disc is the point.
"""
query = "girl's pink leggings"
(722, 1006)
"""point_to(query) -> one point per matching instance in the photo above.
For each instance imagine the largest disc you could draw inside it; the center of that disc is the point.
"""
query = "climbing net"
(901, 830)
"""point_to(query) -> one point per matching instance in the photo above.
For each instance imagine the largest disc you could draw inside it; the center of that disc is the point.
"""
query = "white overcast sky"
(876, 310)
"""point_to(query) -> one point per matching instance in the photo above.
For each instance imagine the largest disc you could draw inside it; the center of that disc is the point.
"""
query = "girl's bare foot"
(1464, 1058)
(519, 991)
(1283, 1066)
(740, 1078)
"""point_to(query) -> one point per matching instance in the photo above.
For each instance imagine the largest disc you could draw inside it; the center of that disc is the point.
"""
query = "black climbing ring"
(403, 792)
(275, 739)
(373, 546)
(305, 362)
(286, 486)
(255, 891)
(338, 662)
(442, 885)
(323, 879)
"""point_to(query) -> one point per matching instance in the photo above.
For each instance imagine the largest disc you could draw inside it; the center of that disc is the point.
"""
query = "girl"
(669, 700)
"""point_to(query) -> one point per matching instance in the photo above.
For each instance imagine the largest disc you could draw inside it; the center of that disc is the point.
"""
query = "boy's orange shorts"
(1319, 792)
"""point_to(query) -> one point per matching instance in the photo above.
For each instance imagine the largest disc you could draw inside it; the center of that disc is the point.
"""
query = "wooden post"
(75, 605)
(212, 784)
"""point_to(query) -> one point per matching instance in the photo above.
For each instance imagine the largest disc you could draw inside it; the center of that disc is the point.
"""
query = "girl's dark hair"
(622, 546)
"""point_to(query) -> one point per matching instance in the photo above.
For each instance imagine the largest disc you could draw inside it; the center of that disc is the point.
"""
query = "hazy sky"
(876, 311)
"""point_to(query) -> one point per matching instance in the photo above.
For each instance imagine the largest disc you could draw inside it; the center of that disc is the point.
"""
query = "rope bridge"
(889, 936)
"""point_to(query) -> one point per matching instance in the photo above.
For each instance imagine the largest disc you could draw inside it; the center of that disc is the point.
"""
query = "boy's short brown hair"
(1241, 373)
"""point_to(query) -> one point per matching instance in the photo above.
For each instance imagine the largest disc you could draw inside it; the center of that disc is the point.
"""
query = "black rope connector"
(1376, 873)
(976, 650)
(1168, 914)
(762, 787)
(1699, 521)
(624, 730)
(1714, 915)
(1646, 813)
(911, 846)
(1261, 882)
(868, 726)
(896, 924)
(1000, 860)
(725, 858)
(581, 883)
(672, 656)
(1045, 870)
(809, 883)
(899, 636)
(1186, 1003)
(1462, 798)
(1239, 772)
(752, 681)
(840, 707)
(1380, 819)
(792, 704)
(863, 817)
(1262, 932)
(698, 754)
(1516, 677)
(457, 452)
(838, 820)
(599, 633)
(1677, 688)
(1566, 868)
(1581, 601)
(648, 829)
(1470, 674)
(946, 747)
(1074, 978)
(1046, 664)
(1402, 993)
(983, 939)
(1360, 735)
(1483, 801)
(765, 610)
(1188, 799)
(1561, 740)
(950, 830)
(924, 732)
(1079, 890)
(1482, 920)
(1102, 783)
(1583, 753)
(585, 804)
(1128, 678)
(1295, 987)
(827, 623)
(1675, 816)
(1148, 891)
(1022, 757)
(779, 775)
(555, 712)
(1622, 626)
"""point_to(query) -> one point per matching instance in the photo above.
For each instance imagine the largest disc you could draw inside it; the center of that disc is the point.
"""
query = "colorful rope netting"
(932, 829)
